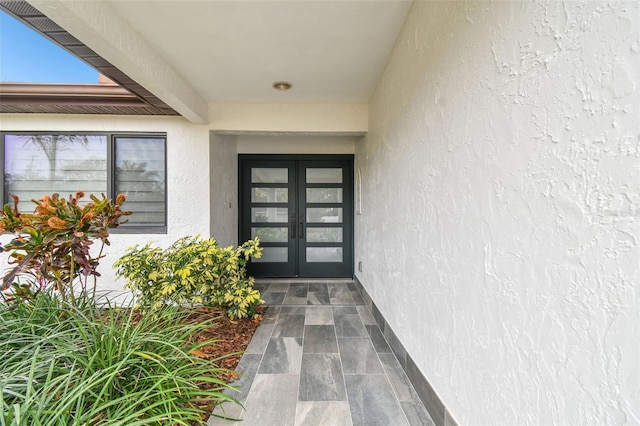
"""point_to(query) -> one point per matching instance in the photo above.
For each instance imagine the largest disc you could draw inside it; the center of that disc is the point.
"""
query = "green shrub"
(77, 364)
(52, 245)
(193, 271)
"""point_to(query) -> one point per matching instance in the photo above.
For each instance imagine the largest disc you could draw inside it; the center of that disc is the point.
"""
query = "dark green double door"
(301, 208)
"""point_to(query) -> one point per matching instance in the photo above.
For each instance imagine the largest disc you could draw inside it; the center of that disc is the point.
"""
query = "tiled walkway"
(318, 358)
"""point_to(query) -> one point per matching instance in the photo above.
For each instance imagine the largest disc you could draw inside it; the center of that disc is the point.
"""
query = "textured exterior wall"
(187, 174)
(224, 189)
(500, 207)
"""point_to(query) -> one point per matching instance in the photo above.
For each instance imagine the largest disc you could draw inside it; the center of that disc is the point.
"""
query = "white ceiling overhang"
(194, 54)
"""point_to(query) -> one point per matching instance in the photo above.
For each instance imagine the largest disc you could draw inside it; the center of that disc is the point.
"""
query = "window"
(36, 164)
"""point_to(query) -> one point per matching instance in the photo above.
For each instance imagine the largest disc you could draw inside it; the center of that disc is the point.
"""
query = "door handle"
(292, 228)
(301, 233)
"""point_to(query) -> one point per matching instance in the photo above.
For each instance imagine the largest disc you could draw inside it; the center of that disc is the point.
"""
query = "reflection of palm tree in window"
(131, 171)
(52, 144)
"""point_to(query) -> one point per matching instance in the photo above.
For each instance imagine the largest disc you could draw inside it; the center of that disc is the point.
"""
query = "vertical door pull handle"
(292, 228)
(301, 233)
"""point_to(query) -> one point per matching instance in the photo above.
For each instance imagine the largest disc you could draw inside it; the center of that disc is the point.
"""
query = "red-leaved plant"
(52, 245)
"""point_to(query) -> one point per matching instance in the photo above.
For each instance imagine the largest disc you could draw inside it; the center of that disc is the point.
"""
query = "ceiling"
(232, 51)
(177, 56)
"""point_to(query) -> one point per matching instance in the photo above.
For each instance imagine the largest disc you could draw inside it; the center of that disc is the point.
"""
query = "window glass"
(324, 175)
(269, 195)
(37, 165)
(324, 254)
(41, 164)
(270, 175)
(273, 254)
(140, 176)
(324, 195)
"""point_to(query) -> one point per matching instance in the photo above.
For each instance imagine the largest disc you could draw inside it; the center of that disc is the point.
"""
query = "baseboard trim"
(437, 410)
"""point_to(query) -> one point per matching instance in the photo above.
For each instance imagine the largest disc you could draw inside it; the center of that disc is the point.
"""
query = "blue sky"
(26, 56)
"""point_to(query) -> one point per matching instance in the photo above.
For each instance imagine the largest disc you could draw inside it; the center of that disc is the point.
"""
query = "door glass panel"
(270, 235)
(273, 254)
(324, 235)
(269, 195)
(269, 175)
(324, 215)
(324, 175)
(269, 214)
(324, 195)
(324, 254)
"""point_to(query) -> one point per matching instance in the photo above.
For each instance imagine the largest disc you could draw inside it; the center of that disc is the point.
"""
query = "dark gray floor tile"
(339, 294)
(344, 310)
(365, 315)
(278, 287)
(318, 298)
(318, 287)
(296, 295)
(246, 370)
(378, 317)
(352, 286)
(398, 378)
(319, 315)
(273, 298)
(283, 356)
(299, 287)
(427, 395)
(225, 413)
(260, 339)
(294, 301)
(416, 413)
(321, 378)
(367, 299)
(396, 346)
(349, 326)
(358, 356)
(293, 310)
(288, 326)
(377, 339)
(372, 401)
(323, 413)
(320, 339)
(270, 315)
(357, 298)
(260, 409)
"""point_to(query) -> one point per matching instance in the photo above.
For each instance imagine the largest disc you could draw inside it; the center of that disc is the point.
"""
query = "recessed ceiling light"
(282, 85)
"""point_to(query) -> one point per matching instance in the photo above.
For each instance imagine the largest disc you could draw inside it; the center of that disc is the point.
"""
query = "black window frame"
(125, 228)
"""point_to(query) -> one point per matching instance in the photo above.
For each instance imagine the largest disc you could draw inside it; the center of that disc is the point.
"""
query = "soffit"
(232, 51)
(124, 98)
(333, 51)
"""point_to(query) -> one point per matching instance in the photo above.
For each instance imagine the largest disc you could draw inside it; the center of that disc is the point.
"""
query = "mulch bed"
(231, 337)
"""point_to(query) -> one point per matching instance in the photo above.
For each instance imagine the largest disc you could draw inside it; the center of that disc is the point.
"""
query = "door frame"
(348, 217)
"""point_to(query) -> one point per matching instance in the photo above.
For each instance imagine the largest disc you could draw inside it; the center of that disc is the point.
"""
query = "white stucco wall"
(296, 144)
(187, 174)
(501, 202)
(347, 119)
(224, 189)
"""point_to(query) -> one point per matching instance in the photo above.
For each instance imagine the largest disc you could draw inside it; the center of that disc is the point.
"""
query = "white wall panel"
(501, 202)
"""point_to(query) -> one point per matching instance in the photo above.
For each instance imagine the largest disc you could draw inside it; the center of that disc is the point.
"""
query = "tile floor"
(318, 358)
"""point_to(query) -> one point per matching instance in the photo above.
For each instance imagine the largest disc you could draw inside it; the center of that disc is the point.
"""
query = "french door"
(301, 209)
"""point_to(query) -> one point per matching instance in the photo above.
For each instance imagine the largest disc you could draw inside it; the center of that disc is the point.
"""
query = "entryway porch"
(319, 358)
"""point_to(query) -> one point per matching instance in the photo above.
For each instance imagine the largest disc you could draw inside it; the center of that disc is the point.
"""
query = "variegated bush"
(52, 245)
(193, 271)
